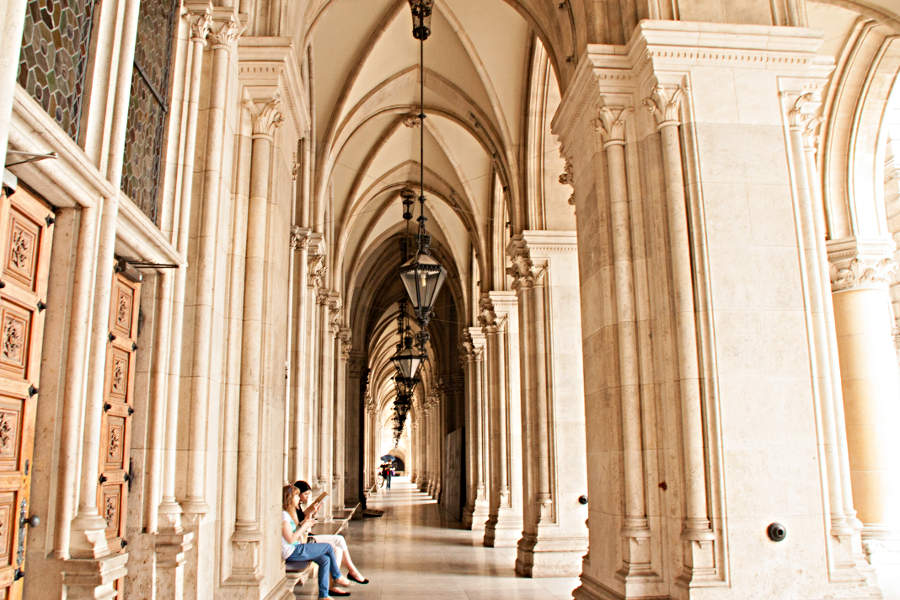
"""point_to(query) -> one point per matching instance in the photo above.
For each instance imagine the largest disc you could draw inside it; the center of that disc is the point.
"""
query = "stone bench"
(298, 573)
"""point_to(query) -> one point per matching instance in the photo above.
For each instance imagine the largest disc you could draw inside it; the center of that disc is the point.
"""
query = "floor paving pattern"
(412, 552)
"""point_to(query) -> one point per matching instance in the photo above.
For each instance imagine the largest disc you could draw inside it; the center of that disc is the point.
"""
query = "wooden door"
(118, 391)
(26, 233)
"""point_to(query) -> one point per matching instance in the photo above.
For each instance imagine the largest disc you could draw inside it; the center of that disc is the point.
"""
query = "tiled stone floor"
(410, 553)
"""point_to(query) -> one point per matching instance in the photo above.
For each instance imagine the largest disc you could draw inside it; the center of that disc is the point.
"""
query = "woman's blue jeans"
(322, 555)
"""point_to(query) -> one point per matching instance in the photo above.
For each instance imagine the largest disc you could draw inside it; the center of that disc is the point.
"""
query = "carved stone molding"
(859, 264)
(664, 103)
(224, 34)
(268, 118)
(411, 120)
(523, 270)
(321, 296)
(335, 313)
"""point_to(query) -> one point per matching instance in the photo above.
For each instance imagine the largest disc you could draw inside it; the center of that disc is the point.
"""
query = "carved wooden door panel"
(118, 393)
(26, 234)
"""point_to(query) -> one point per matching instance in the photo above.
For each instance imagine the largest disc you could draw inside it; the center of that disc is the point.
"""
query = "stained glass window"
(149, 105)
(55, 44)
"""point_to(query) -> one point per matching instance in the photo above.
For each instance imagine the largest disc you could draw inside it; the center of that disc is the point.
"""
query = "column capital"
(858, 264)
(225, 32)
(200, 22)
(487, 318)
(610, 124)
(266, 116)
(299, 238)
(345, 335)
(664, 103)
(804, 113)
(567, 177)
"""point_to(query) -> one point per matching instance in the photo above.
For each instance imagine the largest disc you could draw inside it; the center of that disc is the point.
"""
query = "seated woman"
(337, 542)
(294, 548)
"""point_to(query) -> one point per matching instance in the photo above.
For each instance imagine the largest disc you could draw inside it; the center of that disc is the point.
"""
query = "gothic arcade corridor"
(411, 553)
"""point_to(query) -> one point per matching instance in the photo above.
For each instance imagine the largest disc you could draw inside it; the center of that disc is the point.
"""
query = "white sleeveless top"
(287, 548)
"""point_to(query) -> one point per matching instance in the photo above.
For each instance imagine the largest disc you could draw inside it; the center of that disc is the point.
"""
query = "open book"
(312, 506)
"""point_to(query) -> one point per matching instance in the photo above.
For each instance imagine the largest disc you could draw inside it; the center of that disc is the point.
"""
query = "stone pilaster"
(554, 536)
(504, 523)
(476, 511)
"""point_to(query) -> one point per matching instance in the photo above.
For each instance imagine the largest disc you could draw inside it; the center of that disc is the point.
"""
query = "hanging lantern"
(408, 359)
(422, 277)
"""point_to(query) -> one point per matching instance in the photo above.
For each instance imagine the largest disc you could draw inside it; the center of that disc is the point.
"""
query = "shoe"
(337, 593)
(352, 578)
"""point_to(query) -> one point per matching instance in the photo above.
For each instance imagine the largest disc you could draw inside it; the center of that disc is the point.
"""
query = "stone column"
(504, 523)
(222, 38)
(328, 302)
(698, 538)
(861, 274)
(313, 345)
(476, 512)
(247, 535)
(425, 412)
(635, 529)
(298, 398)
(76, 363)
(554, 536)
(343, 346)
(802, 112)
(371, 458)
(354, 443)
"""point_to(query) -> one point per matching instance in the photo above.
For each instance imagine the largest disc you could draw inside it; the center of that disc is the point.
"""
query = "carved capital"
(610, 123)
(299, 238)
(321, 296)
(567, 177)
(225, 34)
(664, 104)
(317, 269)
(266, 119)
(523, 270)
(487, 317)
(859, 265)
(200, 26)
(804, 115)
(862, 273)
(345, 336)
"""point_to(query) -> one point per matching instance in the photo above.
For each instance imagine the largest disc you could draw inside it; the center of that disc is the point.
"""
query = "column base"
(882, 549)
(475, 515)
(503, 530)
(591, 589)
(93, 578)
(245, 568)
(171, 547)
(89, 537)
(550, 554)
